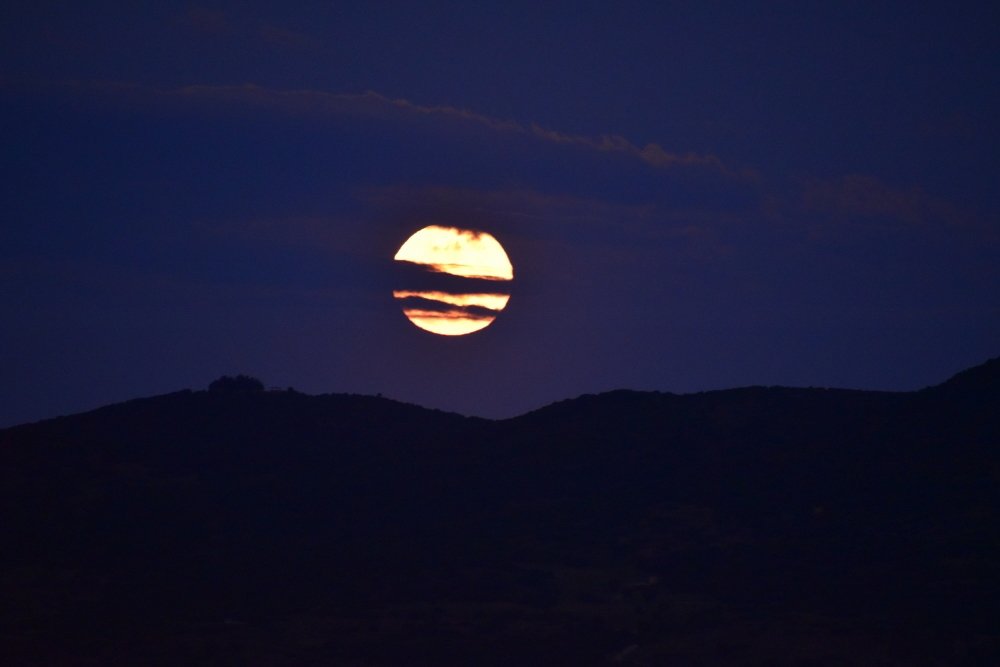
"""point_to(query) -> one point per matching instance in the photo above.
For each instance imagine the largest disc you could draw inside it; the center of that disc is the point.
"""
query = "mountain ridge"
(981, 377)
(755, 525)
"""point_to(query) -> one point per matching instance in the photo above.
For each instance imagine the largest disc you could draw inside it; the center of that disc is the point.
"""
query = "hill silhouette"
(762, 525)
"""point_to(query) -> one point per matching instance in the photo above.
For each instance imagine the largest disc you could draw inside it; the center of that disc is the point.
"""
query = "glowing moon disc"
(462, 253)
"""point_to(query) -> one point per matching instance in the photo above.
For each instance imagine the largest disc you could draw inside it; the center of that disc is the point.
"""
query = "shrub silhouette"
(241, 384)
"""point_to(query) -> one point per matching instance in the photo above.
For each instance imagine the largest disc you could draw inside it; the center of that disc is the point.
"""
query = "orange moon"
(463, 253)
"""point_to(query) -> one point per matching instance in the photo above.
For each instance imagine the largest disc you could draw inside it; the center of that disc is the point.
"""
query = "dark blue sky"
(693, 198)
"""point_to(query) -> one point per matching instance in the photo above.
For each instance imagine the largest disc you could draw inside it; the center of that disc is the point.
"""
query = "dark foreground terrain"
(759, 526)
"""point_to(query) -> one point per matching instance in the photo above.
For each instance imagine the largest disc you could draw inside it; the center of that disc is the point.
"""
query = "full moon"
(476, 257)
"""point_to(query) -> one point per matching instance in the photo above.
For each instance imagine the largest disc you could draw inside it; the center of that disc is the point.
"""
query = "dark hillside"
(750, 526)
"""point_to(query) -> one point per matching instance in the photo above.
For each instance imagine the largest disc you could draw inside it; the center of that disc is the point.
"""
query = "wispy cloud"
(859, 196)
(488, 301)
(652, 154)
(371, 103)
(459, 252)
(816, 201)
(539, 215)
(448, 322)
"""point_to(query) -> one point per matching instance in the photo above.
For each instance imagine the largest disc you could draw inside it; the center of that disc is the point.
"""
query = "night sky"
(700, 196)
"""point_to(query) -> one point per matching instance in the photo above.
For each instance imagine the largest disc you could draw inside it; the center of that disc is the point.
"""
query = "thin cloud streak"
(460, 252)
(371, 103)
(448, 322)
(488, 301)
(849, 197)
(446, 314)
(461, 270)
(864, 196)
(652, 154)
